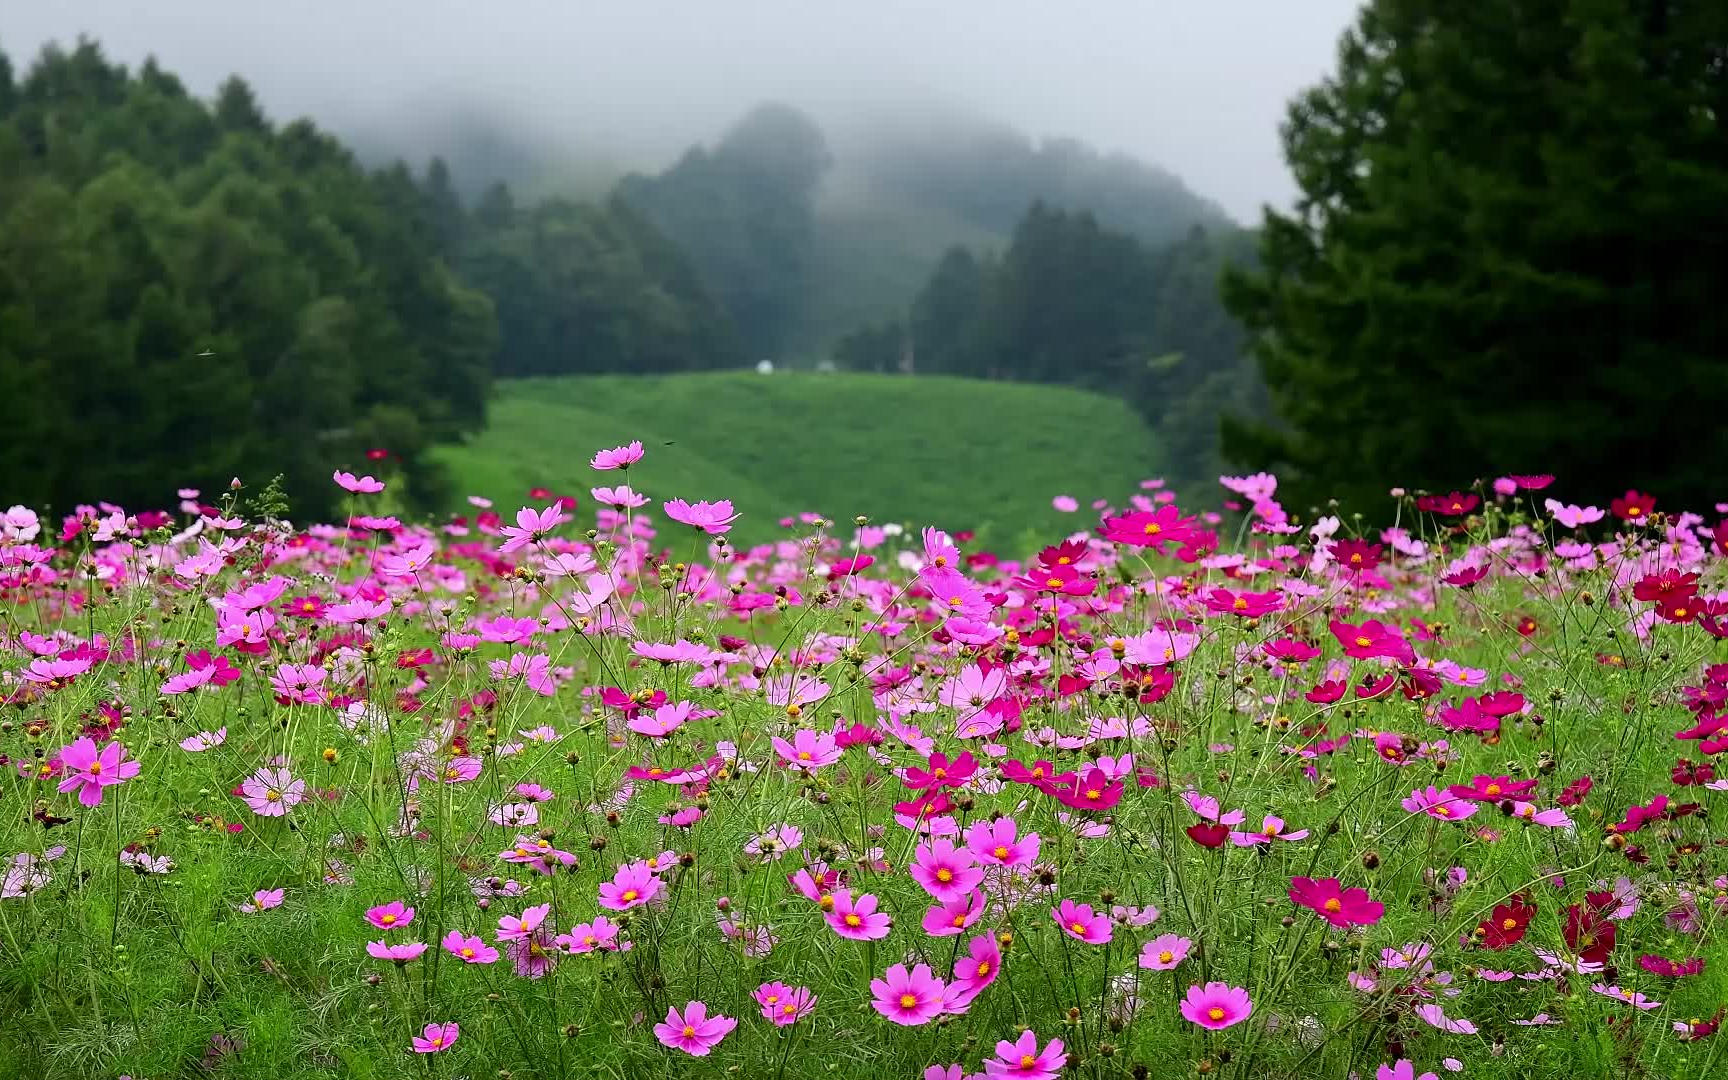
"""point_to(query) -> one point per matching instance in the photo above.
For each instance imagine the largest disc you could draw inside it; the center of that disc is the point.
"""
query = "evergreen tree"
(1505, 253)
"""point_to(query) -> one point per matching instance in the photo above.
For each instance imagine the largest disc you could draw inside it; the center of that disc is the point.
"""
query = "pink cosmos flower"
(586, 937)
(1434, 1016)
(808, 750)
(531, 956)
(955, 916)
(204, 740)
(511, 928)
(619, 498)
(302, 683)
(632, 886)
(1024, 1060)
(784, 1005)
(910, 998)
(1401, 1070)
(1439, 804)
(1079, 922)
(535, 671)
(531, 526)
(1626, 996)
(694, 1031)
(858, 921)
(391, 916)
(1673, 969)
(89, 769)
(437, 1038)
(1271, 828)
(945, 872)
(1571, 515)
(1338, 906)
(363, 485)
(714, 518)
(1164, 952)
(998, 843)
(663, 721)
(263, 900)
(1216, 1006)
(619, 457)
(976, 970)
(468, 949)
(272, 792)
(396, 954)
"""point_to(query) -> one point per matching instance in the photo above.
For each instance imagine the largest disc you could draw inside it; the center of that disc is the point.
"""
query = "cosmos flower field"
(582, 790)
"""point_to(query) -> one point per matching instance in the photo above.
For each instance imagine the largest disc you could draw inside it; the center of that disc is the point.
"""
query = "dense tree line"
(745, 213)
(190, 292)
(1507, 253)
(1074, 302)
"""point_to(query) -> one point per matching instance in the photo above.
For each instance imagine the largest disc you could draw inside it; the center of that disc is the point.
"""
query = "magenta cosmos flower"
(90, 769)
(1439, 804)
(1164, 952)
(714, 518)
(999, 843)
(1338, 906)
(808, 750)
(468, 949)
(976, 970)
(784, 1004)
(910, 998)
(272, 792)
(437, 1038)
(1078, 921)
(531, 525)
(1024, 1060)
(945, 871)
(619, 457)
(510, 928)
(397, 954)
(359, 485)
(632, 886)
(390, 916)
(694, 1031)
(859, 921)
(1217, 1005)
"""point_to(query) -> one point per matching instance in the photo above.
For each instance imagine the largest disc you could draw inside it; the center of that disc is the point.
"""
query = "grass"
(961, 454)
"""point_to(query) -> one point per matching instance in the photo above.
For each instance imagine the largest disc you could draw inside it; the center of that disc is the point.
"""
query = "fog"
(1196, 86)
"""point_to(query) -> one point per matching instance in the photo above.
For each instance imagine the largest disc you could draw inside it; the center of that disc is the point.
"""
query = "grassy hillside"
(951, 452)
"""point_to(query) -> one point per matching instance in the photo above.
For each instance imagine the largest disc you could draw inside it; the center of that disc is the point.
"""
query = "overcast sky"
(1198, 86)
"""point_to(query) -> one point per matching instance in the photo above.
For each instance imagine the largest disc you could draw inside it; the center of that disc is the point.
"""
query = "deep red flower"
(1453, 505)
(1639, 816)
(1531, 482)
(1526, 626)
(1507, 925)
(1634, 506)
(1589, 934)
(1665, 586)
(1150, 528)
(1067, 553)
(1358, 555)
(1493, 789)
(1208, 834)
(1575, 791)
(1467, 577)
(1039, 774)
(1327, 692)
(377, 453)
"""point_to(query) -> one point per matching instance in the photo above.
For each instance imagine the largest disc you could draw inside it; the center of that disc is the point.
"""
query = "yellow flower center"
(689, 1031)
(629, 894)
(803, 755)
(95, 768)
(826, 903)
(272, 795)
(908, 1001)
(467, 953)
(1215, 1013)
(437, 1041)
(983, 968)
(1000, 852)
(1094, 793)
(1634, 511)
(944, 875)
(1508, 924)
(853, 920)
(1027, 1061)
(1364, 641)
(1270, 830)
(788, 1009)
(1153, 528)
(1333, 905)
(1054, 582)
(387, 920)
(1491, 789)
(1077, 927)
(1443, 810)
(1165, 956)
(939, 773)
(1241, 603)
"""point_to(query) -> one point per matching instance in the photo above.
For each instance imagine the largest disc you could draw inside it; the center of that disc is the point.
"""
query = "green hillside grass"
(957, 453)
